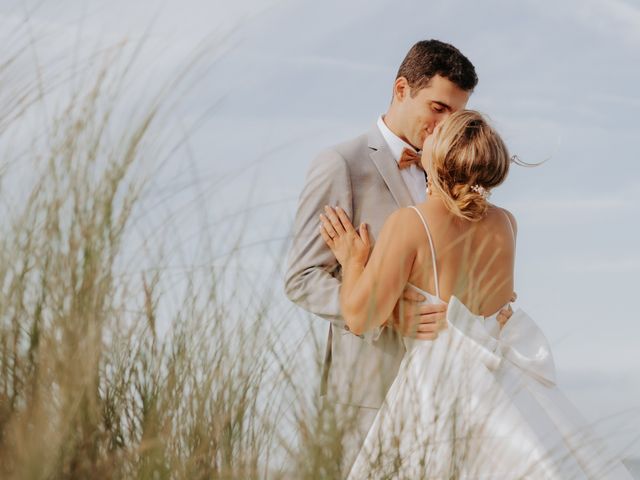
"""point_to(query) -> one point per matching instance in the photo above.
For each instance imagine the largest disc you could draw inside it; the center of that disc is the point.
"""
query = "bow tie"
(408, 158)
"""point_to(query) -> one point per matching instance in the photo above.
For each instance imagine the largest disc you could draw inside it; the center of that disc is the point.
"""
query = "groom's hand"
(411, 319)
(505, 314)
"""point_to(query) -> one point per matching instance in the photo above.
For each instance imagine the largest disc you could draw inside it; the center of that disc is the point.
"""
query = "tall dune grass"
(100, 377)
(97, 378)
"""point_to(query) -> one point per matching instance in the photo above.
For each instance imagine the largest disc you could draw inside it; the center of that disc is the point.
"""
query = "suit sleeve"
(312, 277)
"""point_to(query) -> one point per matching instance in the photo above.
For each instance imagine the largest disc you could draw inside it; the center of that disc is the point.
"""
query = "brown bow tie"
(408, 158)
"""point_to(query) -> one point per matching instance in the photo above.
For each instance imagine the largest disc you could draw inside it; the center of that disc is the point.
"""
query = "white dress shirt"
(413, 176)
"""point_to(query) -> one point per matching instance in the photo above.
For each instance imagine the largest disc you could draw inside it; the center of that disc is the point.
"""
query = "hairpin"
(483, 192)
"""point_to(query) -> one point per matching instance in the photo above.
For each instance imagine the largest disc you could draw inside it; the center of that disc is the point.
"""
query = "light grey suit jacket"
(363, 178)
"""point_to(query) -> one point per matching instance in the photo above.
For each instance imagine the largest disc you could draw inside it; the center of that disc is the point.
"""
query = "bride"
(479, 400)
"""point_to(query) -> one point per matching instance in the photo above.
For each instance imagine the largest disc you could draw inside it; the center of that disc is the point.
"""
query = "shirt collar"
(396, 144)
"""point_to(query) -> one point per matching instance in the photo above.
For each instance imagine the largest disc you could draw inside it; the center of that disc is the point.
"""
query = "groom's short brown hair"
(428, 58)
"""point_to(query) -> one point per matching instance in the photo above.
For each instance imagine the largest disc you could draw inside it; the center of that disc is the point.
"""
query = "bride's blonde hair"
(468, 159)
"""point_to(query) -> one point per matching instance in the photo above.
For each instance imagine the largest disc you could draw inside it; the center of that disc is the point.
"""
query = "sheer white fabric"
(474, 405)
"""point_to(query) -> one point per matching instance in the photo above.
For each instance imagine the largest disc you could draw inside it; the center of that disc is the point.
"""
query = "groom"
(370, 177)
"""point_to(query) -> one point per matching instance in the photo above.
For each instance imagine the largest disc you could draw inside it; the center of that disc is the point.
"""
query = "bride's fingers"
(325, 236)
(328, 226)
(344, 220)
(335, 221)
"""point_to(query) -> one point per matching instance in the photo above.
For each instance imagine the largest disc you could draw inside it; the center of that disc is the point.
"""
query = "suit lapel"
(388, 168)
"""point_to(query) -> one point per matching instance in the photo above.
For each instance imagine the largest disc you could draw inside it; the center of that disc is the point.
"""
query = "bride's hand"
(347, 244)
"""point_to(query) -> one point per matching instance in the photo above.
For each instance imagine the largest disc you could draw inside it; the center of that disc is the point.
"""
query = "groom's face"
(421, 113)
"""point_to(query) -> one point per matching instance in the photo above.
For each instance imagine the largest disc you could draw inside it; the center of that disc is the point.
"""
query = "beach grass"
(113, 364)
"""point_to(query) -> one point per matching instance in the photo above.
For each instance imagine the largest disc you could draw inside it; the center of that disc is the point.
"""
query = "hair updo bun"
(468, 159)
(471, 205)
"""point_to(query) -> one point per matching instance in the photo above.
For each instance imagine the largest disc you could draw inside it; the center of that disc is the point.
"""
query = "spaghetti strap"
(513, 233)
(433, 250)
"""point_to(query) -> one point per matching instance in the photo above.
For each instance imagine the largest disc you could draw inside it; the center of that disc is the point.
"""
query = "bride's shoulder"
(403, 217)
(400, 233)
(502, 213)
(405, 222)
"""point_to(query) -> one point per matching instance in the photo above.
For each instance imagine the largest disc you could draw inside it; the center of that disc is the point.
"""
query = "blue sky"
(558, 79)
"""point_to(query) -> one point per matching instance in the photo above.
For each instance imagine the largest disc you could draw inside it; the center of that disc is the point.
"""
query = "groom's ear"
(401, 89)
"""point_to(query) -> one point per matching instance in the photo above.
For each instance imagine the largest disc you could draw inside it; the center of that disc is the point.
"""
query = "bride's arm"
(371, 286)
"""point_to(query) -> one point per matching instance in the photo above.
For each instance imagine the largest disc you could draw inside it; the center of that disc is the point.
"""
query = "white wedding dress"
(480, 403)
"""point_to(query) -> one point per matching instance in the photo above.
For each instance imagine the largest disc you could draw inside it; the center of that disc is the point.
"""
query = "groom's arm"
(311, 278)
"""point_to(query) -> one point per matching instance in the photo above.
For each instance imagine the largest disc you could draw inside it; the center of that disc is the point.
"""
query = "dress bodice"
(489, 323)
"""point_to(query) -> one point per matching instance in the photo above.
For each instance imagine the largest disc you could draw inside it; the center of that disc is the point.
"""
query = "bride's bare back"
(475, 260)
